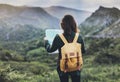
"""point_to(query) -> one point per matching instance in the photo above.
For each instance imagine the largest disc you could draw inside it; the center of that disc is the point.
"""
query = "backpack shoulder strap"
(76, 37)
(63, 38)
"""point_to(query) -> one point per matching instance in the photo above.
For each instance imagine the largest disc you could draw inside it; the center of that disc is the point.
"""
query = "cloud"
(17, 2)
(32, 2)
(90, 5)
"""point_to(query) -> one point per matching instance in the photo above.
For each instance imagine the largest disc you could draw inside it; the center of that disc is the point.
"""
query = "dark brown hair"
(68, 24)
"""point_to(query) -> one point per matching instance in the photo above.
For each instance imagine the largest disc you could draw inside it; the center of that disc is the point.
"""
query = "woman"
(69, 27)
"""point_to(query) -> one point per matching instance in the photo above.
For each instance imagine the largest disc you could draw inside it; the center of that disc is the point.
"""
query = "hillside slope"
(112, 31)
(99, 20)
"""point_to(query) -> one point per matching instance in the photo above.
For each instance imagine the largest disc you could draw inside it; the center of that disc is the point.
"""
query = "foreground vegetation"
(29, 62)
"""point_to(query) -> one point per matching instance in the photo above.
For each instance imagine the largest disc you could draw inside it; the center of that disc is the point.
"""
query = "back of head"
(68, 24)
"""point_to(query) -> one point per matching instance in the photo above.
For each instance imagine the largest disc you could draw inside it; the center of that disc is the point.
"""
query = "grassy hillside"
(101, 63)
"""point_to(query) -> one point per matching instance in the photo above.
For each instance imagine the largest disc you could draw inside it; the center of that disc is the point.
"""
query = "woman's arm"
(83, 46)
(80, 40)
(53, 47)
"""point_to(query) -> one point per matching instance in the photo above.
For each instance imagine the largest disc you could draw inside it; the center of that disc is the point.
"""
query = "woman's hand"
(46, 42)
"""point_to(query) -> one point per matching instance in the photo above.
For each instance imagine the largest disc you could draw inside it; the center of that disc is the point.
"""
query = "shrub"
(5, 55)
(36, 54)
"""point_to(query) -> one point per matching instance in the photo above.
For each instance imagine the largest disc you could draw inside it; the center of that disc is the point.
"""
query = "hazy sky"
(89, 5)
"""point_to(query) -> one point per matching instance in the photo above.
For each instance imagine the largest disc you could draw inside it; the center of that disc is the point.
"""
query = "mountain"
(35, 16)
(111, 32)
(21, 23)
(99, 20)
(59, 12)
(20, 33)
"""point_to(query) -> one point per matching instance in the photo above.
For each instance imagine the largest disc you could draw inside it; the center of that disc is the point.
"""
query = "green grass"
(39, 72)
(92, 72)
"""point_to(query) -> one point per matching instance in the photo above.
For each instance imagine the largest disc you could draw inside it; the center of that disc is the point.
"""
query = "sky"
(89, 5)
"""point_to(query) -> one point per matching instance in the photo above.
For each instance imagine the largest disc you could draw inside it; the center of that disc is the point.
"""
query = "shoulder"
(80, 38)
(80, 35)
(57, 37)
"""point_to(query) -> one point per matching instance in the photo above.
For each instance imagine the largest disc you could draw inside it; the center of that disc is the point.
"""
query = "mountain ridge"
(35, 16)
(99, 20)
(60, 11)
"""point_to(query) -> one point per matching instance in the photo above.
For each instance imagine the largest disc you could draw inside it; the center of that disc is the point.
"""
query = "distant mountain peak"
(60, 11)
(102, 7)
(108, 9)
(5, 5)
(102, 18)
(105, 11)
(68, 8)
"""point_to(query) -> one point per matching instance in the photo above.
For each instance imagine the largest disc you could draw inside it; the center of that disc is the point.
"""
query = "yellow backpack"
(71, 55)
